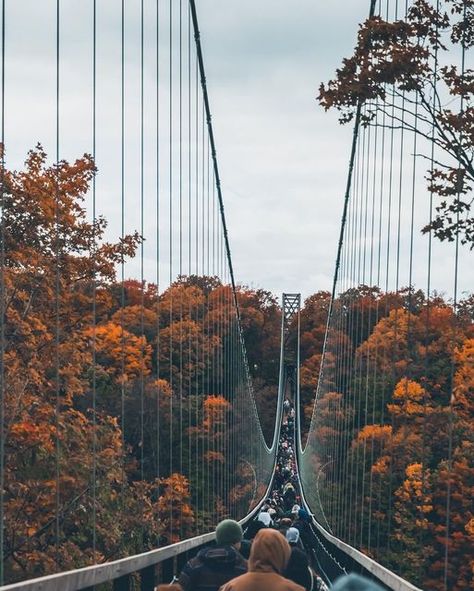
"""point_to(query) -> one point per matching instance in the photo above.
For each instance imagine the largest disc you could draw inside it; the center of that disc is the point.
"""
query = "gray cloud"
(283, 160)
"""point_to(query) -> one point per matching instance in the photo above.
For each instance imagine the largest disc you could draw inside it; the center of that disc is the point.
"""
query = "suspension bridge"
(130, 421)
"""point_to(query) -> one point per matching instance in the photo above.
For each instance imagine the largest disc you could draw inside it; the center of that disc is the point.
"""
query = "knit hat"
(303, 515)
(354, 582)
(292, 535)
(228, 532)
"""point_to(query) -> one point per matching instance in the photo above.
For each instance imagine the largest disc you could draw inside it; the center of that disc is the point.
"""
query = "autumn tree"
(261, 326)
(400, 71)
(56, 266)
(412, 508)
(174, 509)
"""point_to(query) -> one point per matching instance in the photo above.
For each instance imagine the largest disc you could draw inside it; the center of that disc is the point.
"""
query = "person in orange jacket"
(268, 559)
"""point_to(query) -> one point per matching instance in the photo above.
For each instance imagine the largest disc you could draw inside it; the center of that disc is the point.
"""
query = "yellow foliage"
(410, 398)
(409, 389)
(469, 527)
(119, 352)
(215, 410)
(463, 390)
(413, 495)
(376, 432)
(381, 465)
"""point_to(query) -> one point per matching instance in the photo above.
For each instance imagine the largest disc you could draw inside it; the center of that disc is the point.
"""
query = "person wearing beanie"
(213, 566)
(269, 556)
(228, 533)
(355, 582)
(303, 514)
(302, 524)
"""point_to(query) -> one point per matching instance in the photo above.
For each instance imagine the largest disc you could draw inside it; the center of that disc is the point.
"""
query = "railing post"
(167, 570)
(122, 583)
(147, 578)
(181, 560)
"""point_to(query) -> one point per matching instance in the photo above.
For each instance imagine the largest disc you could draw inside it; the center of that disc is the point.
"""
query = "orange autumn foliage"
(409, 398)
(174, 510)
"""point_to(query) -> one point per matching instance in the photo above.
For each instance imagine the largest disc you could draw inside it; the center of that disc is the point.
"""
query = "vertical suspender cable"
(122, 259)
(395, 350)
(454, 327)
(387, 282)
(410, 345)
(365, 379)
(428, 282)
(189, 214)
(2, 305)
(180, 264)
(379, 280)
(58, 279)
(142, 255)
(157, 239)
(203, 345)
(372, 375)
(94, 283)
(170, 220)
(196, 270)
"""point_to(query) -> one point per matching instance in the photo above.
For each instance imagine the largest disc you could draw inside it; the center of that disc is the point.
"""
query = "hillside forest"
(120, 425)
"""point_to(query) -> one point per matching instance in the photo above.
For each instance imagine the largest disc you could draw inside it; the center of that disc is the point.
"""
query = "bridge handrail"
(96, 574)
(382, 573)
(88, 576)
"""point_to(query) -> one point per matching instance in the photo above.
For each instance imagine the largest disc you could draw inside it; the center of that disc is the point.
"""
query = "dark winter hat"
(228, 532)
(253, 528)
(354, 582)
(303, 515)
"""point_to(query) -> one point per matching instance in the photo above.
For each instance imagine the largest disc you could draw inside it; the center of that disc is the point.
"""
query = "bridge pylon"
(291, 305)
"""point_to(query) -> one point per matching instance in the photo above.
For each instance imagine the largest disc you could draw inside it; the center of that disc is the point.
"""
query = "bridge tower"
(291, 305)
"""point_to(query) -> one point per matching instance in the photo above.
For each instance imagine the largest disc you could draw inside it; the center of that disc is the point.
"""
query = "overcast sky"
(283, 160)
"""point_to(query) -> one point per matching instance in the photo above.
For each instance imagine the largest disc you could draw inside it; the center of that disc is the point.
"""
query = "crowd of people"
(270, 554)
(282, 510)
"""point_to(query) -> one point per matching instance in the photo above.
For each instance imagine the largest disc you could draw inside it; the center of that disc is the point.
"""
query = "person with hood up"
(265, 518)
(268, 559)
(293, 537)
(215, 565)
